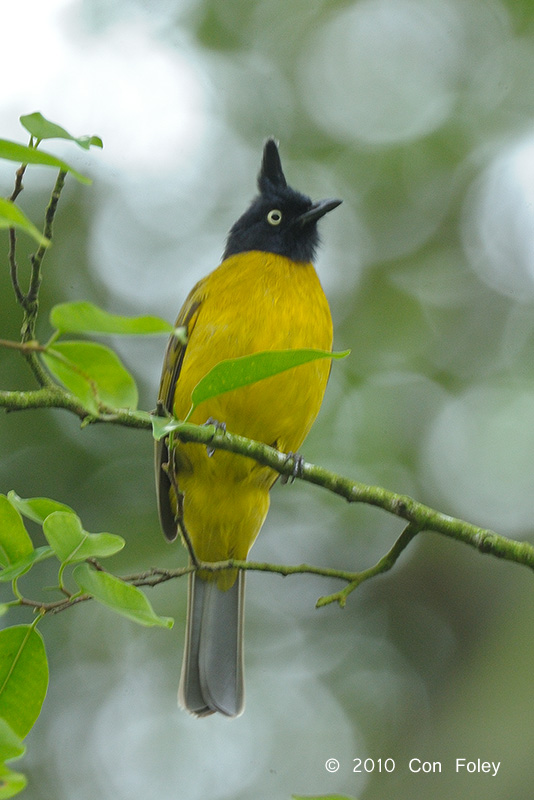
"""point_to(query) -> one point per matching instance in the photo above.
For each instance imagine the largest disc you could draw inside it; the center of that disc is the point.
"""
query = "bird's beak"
(318, 210)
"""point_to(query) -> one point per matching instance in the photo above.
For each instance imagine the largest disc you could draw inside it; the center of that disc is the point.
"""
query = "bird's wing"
(172, 365)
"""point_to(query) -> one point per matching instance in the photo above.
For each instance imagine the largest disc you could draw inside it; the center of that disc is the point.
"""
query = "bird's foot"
(219, 426)
(298, 463)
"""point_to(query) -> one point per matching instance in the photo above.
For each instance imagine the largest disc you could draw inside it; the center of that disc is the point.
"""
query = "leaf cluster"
(39, 129)
(23, 661)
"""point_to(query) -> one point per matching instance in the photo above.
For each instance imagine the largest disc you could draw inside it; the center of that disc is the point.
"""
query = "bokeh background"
(420, 115)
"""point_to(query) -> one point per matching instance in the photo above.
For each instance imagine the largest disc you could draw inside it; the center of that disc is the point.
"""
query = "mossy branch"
(418, 516)
(421, 516)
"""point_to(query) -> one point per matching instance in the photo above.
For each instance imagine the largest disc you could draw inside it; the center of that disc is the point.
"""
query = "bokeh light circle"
(478, 457)
(498, 223)
(383, 71)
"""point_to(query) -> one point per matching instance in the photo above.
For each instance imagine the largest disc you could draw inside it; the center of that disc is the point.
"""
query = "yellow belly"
(252, 302)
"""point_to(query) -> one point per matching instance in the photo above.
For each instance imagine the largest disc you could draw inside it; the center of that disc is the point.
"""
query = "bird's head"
(280, 219)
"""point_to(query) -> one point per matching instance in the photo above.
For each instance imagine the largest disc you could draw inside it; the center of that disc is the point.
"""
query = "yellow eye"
(274, 217)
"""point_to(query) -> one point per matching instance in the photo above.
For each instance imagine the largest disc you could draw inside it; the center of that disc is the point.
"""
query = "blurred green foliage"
(419, 115)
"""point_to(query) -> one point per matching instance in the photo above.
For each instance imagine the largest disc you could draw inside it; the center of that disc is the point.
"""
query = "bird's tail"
(212, 669)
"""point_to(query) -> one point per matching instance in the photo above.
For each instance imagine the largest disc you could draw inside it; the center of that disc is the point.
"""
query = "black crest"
(271, 174)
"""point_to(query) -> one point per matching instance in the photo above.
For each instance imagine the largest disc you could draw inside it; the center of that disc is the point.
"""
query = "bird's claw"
(298, 464)
(219, 426)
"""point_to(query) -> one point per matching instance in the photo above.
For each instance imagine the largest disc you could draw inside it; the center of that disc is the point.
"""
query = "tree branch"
(418, 516)
(54, 396)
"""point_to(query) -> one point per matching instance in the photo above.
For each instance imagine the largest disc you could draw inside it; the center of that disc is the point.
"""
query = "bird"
(264, 295)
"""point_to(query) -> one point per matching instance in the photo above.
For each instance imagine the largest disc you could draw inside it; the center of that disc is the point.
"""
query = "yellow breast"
(252, 302)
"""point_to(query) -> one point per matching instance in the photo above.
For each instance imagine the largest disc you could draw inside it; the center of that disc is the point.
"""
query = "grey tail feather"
(212, 669)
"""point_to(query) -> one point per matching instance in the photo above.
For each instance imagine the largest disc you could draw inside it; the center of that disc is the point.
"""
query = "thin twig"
(25, 347)
(19, 294)
(383, 565)
(56, 606)
(29, 301)
(19, 175)
(37, 258)
(13, 267)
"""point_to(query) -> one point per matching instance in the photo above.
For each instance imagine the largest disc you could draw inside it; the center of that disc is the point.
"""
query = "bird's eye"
(274, 217)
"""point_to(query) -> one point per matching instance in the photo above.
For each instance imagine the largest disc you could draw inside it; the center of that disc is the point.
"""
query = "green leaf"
(121, 597)
(12, 217)
(70, 543)
(23, 677)
(162, 426)
(41, 128)
(93, 373)
(36, 508)
(25, 564)
(11, 746)
(234, 373)
(11, 783)
(13, 151)
(85, 317)
(15, 542)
